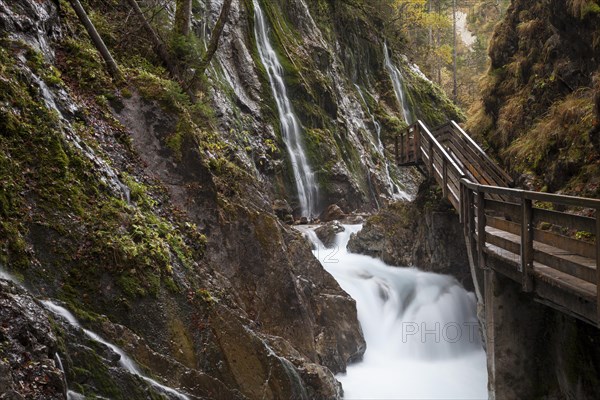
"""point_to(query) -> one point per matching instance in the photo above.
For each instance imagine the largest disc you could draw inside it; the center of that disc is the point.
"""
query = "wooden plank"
(439, 147)
(474, 145)
(470, 154)
(527, 244)
(430, 152)
(417, 141)
(566, 220)
(574, 265)
(545, 197)
(574, 246)
(402, 150)
(555, 258)
(476, 171)
(445, 177)
(506, 209)
(563, 199)
(468, 157)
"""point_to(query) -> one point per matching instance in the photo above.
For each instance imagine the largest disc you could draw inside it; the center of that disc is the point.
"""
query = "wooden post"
(431, 158)
(481, 229)
(418, 143)
(471, 217)
(597, 267)
(527, 245)
(445, 177)
(461, 203)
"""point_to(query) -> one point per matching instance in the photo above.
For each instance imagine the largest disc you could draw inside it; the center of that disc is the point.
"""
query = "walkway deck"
(527, 236)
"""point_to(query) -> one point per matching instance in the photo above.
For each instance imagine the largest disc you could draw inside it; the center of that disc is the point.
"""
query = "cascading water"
(421, 329)
(291, 131)
(393, 187)
(125, 361)
(397, 79)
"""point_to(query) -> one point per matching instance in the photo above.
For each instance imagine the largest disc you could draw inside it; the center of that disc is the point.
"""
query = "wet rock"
(282, 209)
(425, 233)
(331, 213)
(353, 219)
(326, 233)
(27, 367)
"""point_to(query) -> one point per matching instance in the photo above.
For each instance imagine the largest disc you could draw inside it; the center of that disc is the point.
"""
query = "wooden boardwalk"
(530, 237)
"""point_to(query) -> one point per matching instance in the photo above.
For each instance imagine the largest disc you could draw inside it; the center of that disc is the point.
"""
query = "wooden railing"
(518, 233)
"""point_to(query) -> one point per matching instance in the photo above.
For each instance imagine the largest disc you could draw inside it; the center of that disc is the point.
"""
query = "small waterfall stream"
(421, 329)
(397, 82)
(126, 362)
(291, 130)
(393, 187)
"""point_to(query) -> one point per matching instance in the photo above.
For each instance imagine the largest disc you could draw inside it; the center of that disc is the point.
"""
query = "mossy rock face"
(536, 111)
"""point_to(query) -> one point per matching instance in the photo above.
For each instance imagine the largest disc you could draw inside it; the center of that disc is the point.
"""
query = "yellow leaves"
(414, 13)
(411, 12)
(437, 21)
(443, 53)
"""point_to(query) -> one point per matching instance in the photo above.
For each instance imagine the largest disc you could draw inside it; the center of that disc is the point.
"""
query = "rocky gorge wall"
(539, 110)
(152, 219)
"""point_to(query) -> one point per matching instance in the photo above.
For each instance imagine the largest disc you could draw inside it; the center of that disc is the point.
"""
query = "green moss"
(138, 247)
(168, 93)
(84, 66)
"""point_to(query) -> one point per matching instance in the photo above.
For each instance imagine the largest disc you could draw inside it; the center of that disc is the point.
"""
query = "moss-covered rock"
(537, 109)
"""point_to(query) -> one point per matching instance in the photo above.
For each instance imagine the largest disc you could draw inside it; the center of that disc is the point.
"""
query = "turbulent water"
(291, 131)
(397, 82)
(421, 329)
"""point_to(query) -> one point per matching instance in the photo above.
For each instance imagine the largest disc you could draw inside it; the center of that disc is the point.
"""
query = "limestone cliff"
(151, 215)
(537, 110)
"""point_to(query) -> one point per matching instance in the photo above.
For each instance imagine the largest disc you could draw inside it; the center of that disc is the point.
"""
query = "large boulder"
(327, 233)
(283, 210)
(425, 233)
(332, 212)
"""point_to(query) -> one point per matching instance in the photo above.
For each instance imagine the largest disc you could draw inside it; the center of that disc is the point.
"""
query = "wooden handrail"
(499, 216)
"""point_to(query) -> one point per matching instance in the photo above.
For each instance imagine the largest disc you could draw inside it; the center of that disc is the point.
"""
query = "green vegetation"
(534, 114)
(46, 183)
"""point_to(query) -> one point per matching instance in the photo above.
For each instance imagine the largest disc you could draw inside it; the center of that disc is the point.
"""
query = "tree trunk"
(183, 17)
(214, 37)
(455, 85)
(97, 40)
(159, 46)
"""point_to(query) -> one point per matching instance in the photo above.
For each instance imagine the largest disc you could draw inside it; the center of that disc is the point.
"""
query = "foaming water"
(421, 329)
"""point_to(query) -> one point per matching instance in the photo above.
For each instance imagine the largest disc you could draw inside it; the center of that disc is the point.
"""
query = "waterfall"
(397, 79)
(395, 190)
(421, 329)
(291, 131)
(71, 394)
(125, 361)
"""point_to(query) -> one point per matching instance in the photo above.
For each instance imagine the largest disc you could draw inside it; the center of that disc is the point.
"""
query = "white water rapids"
(291, 131)
(422, 335)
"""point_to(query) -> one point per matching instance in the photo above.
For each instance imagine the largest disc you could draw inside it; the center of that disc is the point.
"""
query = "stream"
(421, 328)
